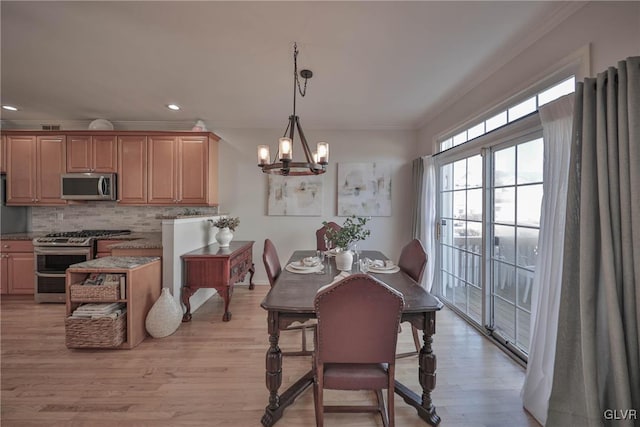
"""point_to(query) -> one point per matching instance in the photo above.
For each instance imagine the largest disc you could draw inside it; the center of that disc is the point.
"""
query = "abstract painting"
(364, 189)
(295, 195)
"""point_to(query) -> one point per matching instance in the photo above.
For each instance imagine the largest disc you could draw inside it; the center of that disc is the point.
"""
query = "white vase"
(165, 316)
(224, 237)
(344, 260)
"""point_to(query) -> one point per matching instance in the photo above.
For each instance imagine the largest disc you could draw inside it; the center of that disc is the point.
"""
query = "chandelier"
(283, 164)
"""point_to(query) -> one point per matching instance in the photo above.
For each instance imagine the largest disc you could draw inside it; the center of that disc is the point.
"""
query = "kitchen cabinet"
(34, 166)
(17, 269)
(92, 153)
(103, 247)
(132, 170)
(3, 154)
(182, 170)
(143, 283)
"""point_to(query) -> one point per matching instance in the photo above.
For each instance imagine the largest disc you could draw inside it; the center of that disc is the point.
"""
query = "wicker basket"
(101, 293)
(95, 333)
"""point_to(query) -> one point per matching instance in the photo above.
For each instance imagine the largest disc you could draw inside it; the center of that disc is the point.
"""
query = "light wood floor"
(211, 373)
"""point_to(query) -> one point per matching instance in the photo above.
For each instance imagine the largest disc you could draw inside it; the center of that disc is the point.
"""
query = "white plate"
(299, 266)
(384, 267)
(304, 271)
(395, 269)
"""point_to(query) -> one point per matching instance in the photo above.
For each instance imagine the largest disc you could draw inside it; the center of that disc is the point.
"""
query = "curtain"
(556, 118)
(424, 212)
(597, 358)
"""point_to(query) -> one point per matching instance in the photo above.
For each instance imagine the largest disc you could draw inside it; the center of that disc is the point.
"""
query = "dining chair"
(413, 261)
(320, 243)
(273, 268)
(356, 337)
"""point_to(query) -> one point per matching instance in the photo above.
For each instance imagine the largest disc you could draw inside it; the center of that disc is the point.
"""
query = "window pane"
(529, 202)
(459, 233)
(522, 339)
(504, 248)
(460, 138)
(446, 231)
(474, 172)
(504, 283)
(460, 295)
(505, 318)
(474, 269)
(530, 161)
(525, 288)
(474, 204)
(527, 247)
(504, 203)
(446, 177)
(447, 286)
(445, 145)
(496, 121)
(504, 167)
(446, 204)
(555, 92)
(474, 236)
(522, 109)
(459, 204)
(476, 131)
(475, 303)
(460, 174)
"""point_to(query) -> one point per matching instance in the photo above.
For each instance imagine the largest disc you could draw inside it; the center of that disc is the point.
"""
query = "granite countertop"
(115, 262)
(137, 241)
(21, 236)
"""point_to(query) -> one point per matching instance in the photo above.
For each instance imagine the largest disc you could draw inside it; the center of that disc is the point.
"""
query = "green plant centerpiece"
(353, 230)
(227, 222)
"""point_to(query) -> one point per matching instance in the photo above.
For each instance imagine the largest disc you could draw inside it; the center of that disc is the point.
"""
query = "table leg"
(252, 271)
(426, 376)
(226, 296)
(273, 412)
(186, 294)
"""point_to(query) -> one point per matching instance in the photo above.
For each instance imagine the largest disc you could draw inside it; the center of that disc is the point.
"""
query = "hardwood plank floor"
(211, 373)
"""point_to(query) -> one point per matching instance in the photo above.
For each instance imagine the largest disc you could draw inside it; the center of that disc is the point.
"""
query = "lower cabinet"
(17, 270)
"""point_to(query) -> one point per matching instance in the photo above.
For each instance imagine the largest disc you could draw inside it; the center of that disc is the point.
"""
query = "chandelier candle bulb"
(286, 149)
(263, 155)
(323, 153)
(315, 157)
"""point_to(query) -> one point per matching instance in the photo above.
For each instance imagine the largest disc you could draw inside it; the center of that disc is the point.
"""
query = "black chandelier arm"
(303, 140)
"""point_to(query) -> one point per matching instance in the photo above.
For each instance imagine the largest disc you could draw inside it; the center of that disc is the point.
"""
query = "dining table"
(291, 299)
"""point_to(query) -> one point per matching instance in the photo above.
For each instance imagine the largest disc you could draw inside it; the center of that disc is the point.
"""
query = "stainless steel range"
(55, 252)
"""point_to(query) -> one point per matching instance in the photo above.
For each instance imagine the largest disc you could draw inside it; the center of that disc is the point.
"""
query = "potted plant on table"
(226, 226)
(353, 230)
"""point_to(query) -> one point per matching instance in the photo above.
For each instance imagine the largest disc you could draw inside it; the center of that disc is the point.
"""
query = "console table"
(215, 267)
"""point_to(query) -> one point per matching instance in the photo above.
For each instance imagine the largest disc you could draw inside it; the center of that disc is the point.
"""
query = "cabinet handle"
(6, 246)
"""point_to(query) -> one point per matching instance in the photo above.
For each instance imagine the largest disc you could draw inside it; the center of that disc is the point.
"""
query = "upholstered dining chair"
(357, 332)
(321, 246)
(413, 261)
(273, 268)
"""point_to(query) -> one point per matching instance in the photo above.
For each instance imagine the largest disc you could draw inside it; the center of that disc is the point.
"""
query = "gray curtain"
(417, 199)
(597, 362)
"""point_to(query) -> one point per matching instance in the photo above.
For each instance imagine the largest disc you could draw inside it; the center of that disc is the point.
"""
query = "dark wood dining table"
(291, 299)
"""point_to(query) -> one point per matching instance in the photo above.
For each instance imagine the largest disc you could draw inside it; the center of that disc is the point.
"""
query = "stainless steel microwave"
(89, 186)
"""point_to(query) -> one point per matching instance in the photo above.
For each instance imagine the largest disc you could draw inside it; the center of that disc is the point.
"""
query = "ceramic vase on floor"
(165, 316)
(224, 237)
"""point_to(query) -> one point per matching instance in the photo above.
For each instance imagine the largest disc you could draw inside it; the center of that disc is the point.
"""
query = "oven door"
(51, 264)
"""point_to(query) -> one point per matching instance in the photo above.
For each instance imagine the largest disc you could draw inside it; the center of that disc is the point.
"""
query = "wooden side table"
(220, 268)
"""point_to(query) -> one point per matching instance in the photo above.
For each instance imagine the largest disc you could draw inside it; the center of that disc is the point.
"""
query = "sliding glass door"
(489, 217)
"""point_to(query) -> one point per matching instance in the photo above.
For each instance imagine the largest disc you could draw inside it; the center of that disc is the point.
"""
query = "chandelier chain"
(302, 92)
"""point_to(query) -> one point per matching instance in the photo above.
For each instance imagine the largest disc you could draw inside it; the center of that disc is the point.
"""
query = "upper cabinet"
(3, 155)
(182, 170)
(34, 166)
(132, 170)
(92, 153)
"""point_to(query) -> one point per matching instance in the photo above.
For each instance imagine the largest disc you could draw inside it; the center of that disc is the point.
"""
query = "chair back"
(320, 245)
(358, 320)
(271, 261)
(413, 260)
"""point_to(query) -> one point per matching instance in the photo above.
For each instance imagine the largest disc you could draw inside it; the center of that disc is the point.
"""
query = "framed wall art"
(364, 189)
(295, 195)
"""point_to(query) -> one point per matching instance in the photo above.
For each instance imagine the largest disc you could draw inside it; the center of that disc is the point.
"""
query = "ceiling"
(376, 65)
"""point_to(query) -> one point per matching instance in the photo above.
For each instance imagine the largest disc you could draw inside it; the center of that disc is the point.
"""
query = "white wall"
(612, 29)
(243, 189)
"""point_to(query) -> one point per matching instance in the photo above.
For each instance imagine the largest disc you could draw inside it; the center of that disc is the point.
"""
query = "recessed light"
(173, 107)
(10, 107)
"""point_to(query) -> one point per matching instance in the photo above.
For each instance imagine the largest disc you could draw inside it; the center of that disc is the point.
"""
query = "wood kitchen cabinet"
(92, 153)
(182, 170)
(132, 170)
(17, 269)
(34, 166)
(3, 154)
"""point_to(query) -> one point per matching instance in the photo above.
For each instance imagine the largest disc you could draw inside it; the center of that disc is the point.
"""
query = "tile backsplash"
(107, 215)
